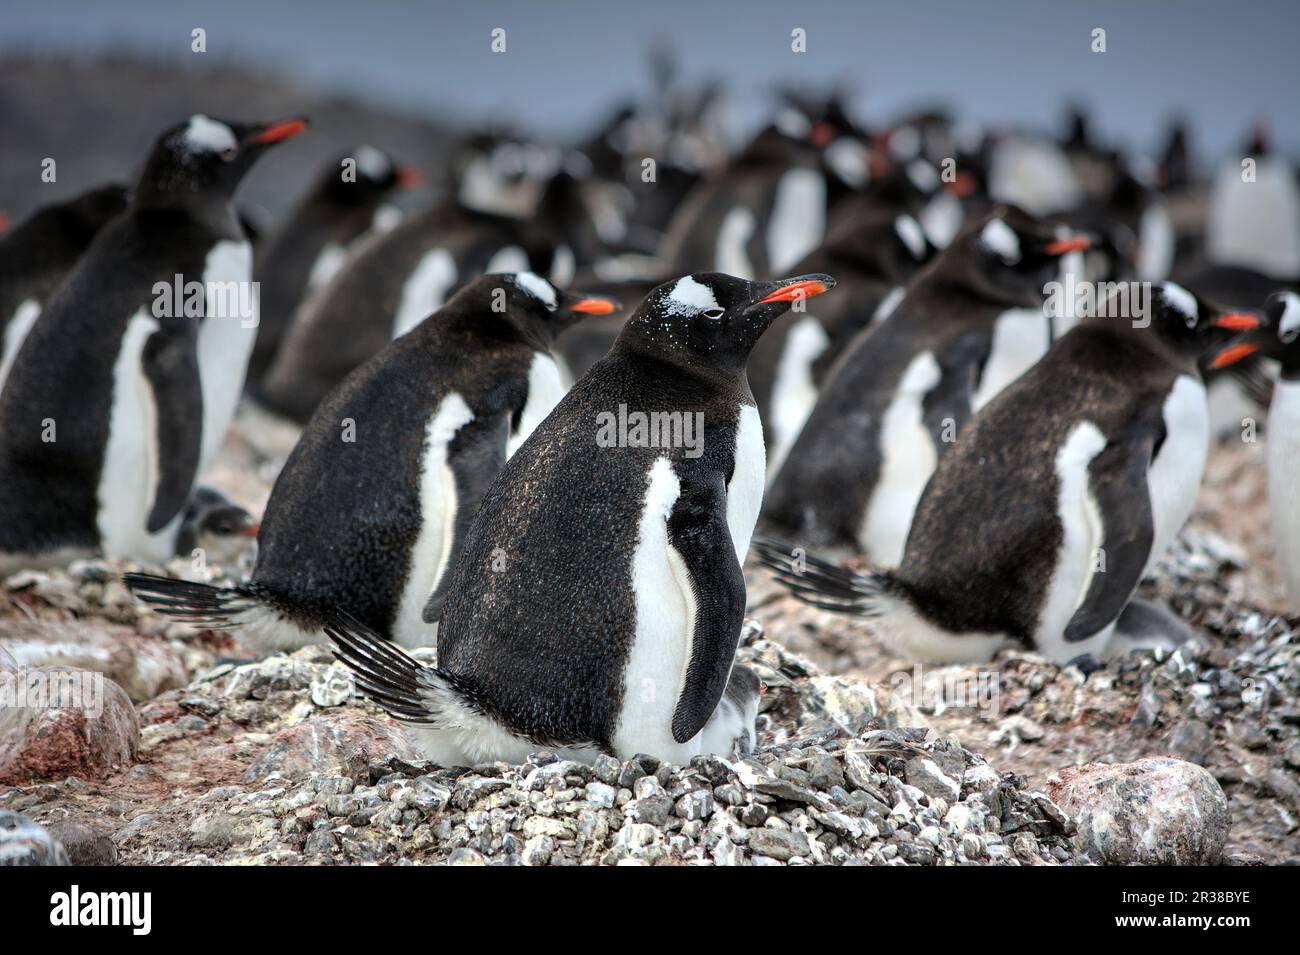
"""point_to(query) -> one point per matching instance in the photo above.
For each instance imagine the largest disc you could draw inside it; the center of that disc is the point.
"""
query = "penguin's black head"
(1277, 336)
(375, 174)
(709, 322)
(87, 213)
(206, 158)
(534, 308)
(890, 246)
(1198, 330)
(1009, 256)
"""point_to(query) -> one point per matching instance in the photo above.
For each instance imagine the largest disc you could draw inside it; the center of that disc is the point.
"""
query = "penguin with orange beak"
(122, 391)
(1056, 499)
(371, 508)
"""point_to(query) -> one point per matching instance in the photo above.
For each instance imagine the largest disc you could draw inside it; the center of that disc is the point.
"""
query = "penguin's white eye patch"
(204, 135)
(923, 175)
(999, 238)
(372, 163)
(1181, 301)
(537, 287)
(689, 297)
(1288, 327)
(912, 235)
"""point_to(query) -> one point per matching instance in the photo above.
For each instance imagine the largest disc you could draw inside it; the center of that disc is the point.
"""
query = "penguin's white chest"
(793, 392)
(655, 670)
(545, 389)
(128, 479)
(1284, 484)
(798, 218)
(430, 557)
(1174, 478)
(907, 459)
(1021, 336)
(424, 290)
(15, 333)
(226, 337)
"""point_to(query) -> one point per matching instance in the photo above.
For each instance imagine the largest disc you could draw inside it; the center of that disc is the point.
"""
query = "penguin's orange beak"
(821, 134)
(408, 177)
(4, 222)
(1233, 354)
(962, 185)
(278, 132)
(1237, 322)
(594, 306)
(252, 530)
(1077, 243)
(799, 289)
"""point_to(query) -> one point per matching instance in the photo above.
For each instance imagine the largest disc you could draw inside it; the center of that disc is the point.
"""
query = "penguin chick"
(1041, 520)
(217, 526)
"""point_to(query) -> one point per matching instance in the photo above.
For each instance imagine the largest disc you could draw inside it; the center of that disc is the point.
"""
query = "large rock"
(1155, 811)
(328, 742)
(58, 721)
(142, 666)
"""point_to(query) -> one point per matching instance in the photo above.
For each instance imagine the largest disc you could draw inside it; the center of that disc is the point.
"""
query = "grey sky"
(1222, 63)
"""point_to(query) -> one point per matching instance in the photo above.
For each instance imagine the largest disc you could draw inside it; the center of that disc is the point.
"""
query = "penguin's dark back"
(989, 513)
(543, 589)
(345, 511)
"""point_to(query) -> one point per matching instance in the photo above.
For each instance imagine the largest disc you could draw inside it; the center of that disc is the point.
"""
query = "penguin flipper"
(698, 532)
(1118, 480)
(171, 365)
(476, 455)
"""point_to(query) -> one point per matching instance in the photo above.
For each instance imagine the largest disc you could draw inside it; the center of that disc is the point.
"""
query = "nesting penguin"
(871, 259)
(123, 388)
(347, 202)
(1056, 498)
(968, 325)
(371, 508)
(597, 605)
(215, 528)
(37, 253)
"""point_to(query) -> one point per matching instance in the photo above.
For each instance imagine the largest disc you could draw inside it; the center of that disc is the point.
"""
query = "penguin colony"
(535, 421)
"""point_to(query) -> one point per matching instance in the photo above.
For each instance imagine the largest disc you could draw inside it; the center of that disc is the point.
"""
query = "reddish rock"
(57, 721)
(326, 742)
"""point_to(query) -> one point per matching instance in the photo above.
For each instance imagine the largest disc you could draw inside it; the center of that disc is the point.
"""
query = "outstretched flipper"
(171, 365)
(477, 455)
(213, 608)
(698, 532)
(824, 585)
(1118, 481)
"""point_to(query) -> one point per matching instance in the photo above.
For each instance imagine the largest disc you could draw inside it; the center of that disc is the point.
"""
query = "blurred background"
(81, 73)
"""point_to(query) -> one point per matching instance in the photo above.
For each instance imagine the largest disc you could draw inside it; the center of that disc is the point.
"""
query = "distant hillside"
(97, 119)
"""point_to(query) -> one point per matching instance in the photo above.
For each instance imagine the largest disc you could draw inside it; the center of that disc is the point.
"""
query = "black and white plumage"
(348, 202)
(968, 324)
(1054, 501)
(371, 509)
(215, 528)
(597, 604)
(121, 393)
(38, 252)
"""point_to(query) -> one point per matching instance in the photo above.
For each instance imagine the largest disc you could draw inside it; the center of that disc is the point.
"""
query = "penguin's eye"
(714, 313)
(1290, 334)
(229, 154)
(1190, 320)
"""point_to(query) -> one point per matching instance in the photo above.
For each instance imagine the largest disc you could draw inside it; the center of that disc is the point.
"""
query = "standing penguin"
(871, 259)
(1056, 499)
(1279, 338)
(969, 324)
(597, 605)
(123, 388)
(36, 254)
(371, 508)
(346, 203)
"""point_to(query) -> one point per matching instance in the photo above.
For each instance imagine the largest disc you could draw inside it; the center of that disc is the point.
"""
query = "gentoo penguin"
(597, 604)
(1056, 499)
(388, 286)
(871, 259)
(124, 387)
(370, 510)
(215, 526)
(1279, 338)
(758, 216)
(347, 202)
(1253, 221)
(968, 325)
(36, 254)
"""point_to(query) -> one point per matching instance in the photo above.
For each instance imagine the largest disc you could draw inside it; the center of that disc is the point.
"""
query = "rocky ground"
(194, 759)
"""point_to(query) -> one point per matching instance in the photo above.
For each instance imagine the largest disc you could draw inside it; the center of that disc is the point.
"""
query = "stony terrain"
(201, 758)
